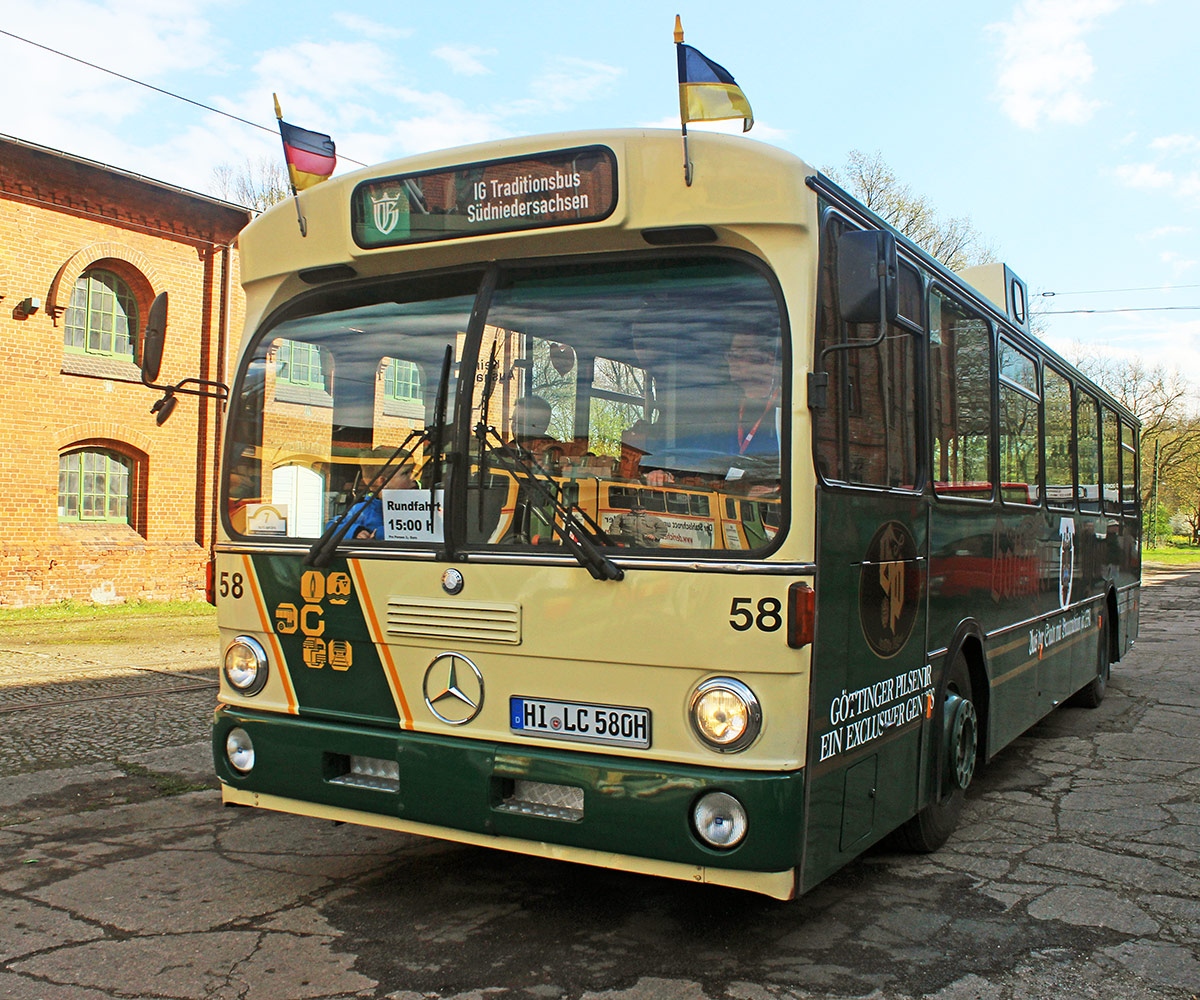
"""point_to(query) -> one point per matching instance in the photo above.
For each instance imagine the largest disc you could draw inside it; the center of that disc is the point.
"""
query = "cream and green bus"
(707, 530)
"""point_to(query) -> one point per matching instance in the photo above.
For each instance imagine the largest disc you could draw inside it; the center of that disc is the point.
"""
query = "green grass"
(1171, 555)
(116, 624)
(75, 611)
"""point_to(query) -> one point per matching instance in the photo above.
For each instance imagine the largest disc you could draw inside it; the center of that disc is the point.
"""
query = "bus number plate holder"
(581, 722)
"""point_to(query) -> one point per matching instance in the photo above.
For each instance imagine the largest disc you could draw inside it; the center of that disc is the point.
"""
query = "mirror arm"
(209, 388)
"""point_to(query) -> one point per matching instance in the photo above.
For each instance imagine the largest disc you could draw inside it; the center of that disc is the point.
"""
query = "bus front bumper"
(607, 811)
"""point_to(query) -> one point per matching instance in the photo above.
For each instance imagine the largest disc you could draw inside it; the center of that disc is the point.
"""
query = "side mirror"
(867, 276)
(154, 338)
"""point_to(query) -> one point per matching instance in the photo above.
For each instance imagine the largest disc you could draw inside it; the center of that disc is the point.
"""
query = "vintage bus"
(710, 530)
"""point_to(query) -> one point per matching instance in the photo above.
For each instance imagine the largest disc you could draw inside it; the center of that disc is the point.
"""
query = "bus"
(700, 527)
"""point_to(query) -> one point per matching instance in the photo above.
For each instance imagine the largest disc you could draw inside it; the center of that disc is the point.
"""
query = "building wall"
(58, 216)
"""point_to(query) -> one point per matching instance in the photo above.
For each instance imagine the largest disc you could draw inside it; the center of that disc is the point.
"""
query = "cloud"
(566, 82)
(373, 30)
(464, 59)
(1044, 64)
(1173, 167)
(324, 71)
(1165, 232)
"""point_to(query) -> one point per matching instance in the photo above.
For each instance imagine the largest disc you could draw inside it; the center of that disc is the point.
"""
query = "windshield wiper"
(485, 402)
(578, 530)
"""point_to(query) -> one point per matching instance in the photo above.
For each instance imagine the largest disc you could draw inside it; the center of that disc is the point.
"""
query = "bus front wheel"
(931, 827)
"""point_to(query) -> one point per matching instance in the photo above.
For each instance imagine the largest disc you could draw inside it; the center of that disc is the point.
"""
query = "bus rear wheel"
(931, 827)
(1093, 692)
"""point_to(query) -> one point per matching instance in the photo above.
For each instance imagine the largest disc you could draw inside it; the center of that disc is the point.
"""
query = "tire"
(931, 827)
(1091, 694)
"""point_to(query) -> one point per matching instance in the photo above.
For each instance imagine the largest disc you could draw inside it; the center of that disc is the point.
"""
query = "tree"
(955, 242)
(1164, 401)
(257, 184)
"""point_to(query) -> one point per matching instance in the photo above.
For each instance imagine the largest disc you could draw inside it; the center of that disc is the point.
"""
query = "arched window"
(102, 317)
(94, 485)
(402, 380)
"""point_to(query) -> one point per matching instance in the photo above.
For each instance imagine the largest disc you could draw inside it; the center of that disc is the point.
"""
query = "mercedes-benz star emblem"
(452, 581)
(453, 689)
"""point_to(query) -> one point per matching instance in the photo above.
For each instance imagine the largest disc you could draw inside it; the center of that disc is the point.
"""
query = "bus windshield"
(647, 394)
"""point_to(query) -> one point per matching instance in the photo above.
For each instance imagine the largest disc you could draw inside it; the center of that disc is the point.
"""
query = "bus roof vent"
(998, 283)
(448, 619)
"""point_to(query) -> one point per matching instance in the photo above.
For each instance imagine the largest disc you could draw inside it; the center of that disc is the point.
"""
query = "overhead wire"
(158, 90)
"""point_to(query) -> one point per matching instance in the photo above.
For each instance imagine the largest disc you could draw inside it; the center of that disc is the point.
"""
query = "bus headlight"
(246, 665)
(239, 748)
(719, 820)
(726, 714)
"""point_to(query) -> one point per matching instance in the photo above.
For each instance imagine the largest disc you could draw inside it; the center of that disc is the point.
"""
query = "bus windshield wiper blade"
(323, 548)
(578, 530)
(485, 402)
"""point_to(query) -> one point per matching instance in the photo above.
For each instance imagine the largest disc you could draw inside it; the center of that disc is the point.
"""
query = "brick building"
(99, 502)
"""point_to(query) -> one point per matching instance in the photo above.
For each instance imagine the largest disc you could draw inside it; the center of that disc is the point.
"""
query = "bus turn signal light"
(802, 614)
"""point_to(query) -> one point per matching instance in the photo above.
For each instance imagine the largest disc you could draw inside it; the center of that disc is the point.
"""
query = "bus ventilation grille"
(448, 619)
(537, 798)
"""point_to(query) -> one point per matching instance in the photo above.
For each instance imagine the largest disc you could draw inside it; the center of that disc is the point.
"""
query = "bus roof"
(736, 181)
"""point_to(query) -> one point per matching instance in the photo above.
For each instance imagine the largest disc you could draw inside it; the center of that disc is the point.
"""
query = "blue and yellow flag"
(707, 91)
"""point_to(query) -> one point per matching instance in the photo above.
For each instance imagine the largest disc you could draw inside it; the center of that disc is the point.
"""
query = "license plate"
(610, 725)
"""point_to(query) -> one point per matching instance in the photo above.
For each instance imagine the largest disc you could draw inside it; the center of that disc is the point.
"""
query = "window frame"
(123, 295)
(948, 493)
(112, 458)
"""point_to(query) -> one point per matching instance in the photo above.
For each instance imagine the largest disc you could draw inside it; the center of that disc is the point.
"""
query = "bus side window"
(1111, 450)
(1018, 418)
(1129, 469)
(1059, 444)
(960, 352)
(866, 431)
(1087, 436)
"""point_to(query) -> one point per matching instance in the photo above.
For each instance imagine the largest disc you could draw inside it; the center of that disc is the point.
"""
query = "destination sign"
(563, 187)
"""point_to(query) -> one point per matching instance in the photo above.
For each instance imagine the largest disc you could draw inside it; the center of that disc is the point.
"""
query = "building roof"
(128, 175)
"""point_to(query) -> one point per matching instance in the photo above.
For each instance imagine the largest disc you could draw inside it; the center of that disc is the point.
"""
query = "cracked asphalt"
(1074, 874)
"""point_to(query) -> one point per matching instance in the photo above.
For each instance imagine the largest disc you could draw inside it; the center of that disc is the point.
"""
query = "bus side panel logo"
(889, 589)
(1066, 559)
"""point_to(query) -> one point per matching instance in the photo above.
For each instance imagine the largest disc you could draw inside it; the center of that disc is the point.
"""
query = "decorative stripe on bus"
(268, 629)
(381, 644)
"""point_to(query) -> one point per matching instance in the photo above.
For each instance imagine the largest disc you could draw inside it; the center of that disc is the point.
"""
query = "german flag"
(310, 156)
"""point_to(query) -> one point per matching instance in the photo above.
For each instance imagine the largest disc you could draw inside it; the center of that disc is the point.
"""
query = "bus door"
(872, 689)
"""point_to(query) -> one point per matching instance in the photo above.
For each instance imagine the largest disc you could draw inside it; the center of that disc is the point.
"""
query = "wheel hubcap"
(963, 730)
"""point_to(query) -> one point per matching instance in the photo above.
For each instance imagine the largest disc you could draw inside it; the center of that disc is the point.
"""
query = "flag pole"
(295, 194)
(687, 160)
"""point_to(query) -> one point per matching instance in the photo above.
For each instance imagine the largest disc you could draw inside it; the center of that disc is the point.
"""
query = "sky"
(1066, 131)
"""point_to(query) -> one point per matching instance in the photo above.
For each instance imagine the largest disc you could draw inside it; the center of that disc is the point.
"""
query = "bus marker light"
(719, 820)
(802, 615)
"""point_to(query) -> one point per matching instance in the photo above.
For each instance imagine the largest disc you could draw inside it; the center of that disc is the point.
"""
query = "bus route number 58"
(766, 616)
(231, 585)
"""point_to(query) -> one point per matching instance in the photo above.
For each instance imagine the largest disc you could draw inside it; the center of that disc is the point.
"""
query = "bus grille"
(438, 618)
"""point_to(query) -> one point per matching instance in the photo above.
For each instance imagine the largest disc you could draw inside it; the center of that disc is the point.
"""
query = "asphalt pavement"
(1074, 874)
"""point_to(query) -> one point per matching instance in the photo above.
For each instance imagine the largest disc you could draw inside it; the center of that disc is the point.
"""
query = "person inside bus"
(530, 425)
(739, 438)
(638, 527)
(531, 422)
(367, 514)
